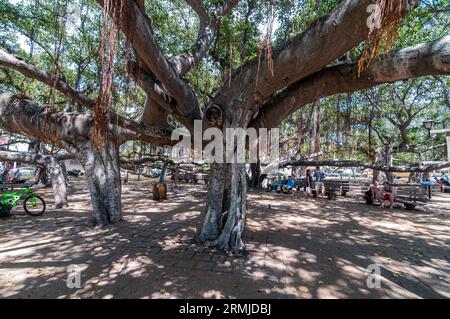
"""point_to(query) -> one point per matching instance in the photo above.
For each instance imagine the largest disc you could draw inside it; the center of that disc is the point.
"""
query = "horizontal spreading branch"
(160, 159)
(31, 71)
(65, 129)
(37, 159)
(432, 58)
(359, 164)
(156, 159)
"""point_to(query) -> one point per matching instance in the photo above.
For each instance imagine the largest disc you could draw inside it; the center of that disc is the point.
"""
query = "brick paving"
(297, 248)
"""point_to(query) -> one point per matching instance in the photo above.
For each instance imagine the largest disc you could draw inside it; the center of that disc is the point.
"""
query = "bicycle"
(33, 204)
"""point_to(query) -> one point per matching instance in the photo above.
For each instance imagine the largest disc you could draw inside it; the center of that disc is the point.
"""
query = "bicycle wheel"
(34, 205)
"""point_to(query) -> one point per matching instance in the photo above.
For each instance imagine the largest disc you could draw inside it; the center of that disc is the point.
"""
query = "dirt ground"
(296, 248)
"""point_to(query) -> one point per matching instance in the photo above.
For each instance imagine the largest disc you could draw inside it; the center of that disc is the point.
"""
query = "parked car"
(75, 172)
(22, 174)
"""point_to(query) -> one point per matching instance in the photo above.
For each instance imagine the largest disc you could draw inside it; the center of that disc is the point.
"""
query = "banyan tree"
(259, 93)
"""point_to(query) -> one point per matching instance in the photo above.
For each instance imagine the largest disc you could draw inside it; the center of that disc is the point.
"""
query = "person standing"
(319, 176)
(308, 183)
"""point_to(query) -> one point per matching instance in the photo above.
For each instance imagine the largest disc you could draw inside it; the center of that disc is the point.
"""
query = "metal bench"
(410, 195)
(192, 177)
(414, 195)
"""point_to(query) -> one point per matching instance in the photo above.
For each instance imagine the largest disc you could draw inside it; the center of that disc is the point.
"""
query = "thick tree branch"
(29, 158)
(136, 26)
(432, 58)
(360, 164)
(327, 39)
(31, 71)
(199, 9)
(209, 25)
(64, 129)
(12, 62)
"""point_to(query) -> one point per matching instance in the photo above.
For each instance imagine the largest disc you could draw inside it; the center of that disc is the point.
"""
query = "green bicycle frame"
(13, 198)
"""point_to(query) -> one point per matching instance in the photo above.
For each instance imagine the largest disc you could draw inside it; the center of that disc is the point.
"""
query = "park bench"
(414, 195)
(410, 195)
(200, 177)
(192, 177)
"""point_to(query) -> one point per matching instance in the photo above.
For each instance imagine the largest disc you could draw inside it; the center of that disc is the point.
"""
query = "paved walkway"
(297, 248)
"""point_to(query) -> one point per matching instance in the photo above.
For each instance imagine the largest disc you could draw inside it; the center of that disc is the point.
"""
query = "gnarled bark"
(103, 178)
(226, 207)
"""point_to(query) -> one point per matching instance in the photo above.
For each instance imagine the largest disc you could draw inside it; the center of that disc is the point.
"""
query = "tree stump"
(159, 191)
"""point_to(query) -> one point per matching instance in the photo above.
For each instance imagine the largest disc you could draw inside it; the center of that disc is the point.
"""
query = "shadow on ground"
(297, 248)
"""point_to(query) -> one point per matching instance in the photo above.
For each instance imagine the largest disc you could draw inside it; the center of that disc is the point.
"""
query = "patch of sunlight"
(330, 292)
(213, 294)
(307, 276)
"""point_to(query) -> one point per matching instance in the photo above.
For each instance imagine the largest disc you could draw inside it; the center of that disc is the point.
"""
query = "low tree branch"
(31, 71)
(360, 164)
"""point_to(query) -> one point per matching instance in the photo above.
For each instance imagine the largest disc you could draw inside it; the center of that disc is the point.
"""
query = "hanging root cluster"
(108, 52)
(60, 22)
(266, 44)
(383, 30)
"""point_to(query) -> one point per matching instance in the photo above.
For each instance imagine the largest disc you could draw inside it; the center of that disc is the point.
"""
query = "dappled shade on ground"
(297, 248)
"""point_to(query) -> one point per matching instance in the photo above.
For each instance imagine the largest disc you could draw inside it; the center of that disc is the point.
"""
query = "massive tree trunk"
(226, 203)
(101, 165)
(226, 206)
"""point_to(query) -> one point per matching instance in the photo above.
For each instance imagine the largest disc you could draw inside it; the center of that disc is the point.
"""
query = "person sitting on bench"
(389, 194)
(272, 184)
(376, 192)
(290, 184)
(281, 183)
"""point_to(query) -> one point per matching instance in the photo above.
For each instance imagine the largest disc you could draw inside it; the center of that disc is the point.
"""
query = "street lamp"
(428, 124)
